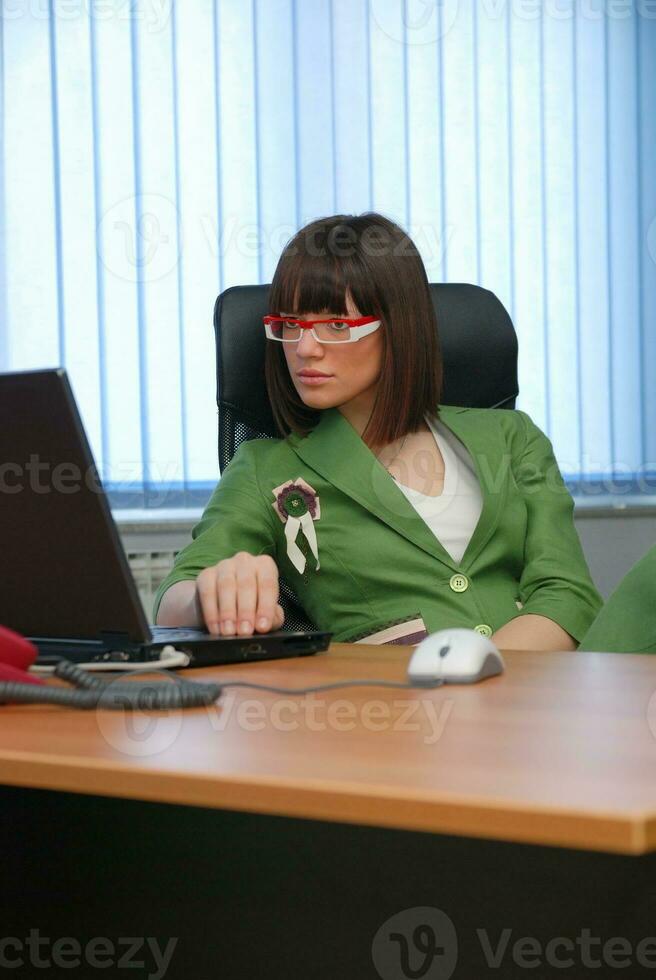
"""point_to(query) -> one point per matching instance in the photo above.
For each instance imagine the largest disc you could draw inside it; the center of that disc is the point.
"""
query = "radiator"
(149, 569)
(151, 545)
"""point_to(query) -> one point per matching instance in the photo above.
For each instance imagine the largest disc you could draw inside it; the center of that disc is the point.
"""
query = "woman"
(389, 515)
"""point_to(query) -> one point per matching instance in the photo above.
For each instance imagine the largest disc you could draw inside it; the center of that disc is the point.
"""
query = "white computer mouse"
(455, 656)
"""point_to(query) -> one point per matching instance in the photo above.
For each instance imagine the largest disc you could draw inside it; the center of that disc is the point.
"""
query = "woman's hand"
(240, 595)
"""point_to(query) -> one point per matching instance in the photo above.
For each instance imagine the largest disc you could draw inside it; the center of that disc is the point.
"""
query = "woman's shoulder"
(263, 446)
(261, 453)
(511, 418)
(511, 427)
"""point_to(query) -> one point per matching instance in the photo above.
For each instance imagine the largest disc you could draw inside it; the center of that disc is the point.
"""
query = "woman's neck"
(358, 414)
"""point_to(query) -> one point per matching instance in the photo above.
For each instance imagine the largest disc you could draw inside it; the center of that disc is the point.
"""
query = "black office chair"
(479, 350)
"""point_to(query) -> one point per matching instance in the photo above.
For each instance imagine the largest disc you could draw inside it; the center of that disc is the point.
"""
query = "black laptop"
(66, 583)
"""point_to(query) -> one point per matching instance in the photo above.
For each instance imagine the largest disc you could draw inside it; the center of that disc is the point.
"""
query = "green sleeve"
(555, 580)
(627, 623)
(236, 518)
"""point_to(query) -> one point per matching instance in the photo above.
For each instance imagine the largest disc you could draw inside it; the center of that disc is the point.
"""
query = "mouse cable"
(260, 687)
(330, 687)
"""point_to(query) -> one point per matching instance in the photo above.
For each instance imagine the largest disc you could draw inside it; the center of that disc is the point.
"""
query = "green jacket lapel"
(336, 451)
(492, 460)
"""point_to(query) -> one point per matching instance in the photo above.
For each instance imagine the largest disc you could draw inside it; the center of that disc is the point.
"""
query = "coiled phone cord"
(92, 692)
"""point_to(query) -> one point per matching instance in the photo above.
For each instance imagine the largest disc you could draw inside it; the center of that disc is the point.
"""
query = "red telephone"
(16, 655)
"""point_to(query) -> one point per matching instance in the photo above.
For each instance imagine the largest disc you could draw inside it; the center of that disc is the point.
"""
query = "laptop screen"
(64, 571)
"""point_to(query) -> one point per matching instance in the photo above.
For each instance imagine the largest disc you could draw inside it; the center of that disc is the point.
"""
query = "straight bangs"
(375, 261)
(309, 283)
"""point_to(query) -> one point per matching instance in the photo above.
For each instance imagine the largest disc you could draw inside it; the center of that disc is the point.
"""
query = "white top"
(453, 515)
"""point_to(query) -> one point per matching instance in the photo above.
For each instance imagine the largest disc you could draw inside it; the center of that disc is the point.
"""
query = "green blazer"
(627, 623)
(383, 574)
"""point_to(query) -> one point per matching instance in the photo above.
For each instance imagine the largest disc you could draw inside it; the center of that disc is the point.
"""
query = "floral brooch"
(297, 506)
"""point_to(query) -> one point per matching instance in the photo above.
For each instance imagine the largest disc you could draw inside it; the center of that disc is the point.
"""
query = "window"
(155, 153)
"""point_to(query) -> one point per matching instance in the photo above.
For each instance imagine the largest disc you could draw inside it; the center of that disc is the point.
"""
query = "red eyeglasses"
(345, 330)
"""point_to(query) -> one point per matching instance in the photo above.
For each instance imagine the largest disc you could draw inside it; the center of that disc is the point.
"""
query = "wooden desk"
(557, 751)
(309, 828)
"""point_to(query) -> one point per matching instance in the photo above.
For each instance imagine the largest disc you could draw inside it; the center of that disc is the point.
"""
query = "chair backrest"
(479, 351)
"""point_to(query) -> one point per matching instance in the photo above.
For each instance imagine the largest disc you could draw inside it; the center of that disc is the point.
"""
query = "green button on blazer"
(380, 564)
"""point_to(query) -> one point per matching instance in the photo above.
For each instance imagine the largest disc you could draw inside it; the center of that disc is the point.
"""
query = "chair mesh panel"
(232, 432)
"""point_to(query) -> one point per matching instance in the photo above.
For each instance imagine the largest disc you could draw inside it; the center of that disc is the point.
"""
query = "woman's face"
(353, 369)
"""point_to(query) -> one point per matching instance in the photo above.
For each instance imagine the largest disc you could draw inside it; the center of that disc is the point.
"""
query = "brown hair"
(377, 262)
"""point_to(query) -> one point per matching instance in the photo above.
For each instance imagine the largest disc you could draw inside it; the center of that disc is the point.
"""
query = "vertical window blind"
(154, 153)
